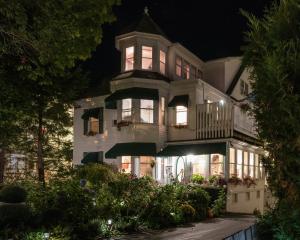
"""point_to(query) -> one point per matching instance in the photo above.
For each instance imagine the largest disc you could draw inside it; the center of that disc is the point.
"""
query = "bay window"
(126, 109)
(186, 70)
(146, 57)
(146, 166)
(162, 62)
(129, 58)
(251, 165)
(181, 115)
(126, 164)
(217, 164)
(232, 162)
(146, 111)
(163, 104)
(246, 164)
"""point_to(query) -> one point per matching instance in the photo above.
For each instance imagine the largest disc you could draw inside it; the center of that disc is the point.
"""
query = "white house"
(170, 114)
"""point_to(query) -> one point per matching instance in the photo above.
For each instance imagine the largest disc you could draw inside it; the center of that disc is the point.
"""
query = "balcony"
(216, 120)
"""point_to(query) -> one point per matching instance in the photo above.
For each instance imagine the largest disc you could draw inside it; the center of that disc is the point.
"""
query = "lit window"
(217, 164)
(239, 164)
(186, 70)
(93, 126)
(246, 164)
(146, 111)
(251, 165)
(126, 164)
(163, 104)
(129, 58)
(181, 115)
(146, 166)
(257, 170)
(232, 162)
(146, 57)
(162, 62)
(126, 109)
(178, 66)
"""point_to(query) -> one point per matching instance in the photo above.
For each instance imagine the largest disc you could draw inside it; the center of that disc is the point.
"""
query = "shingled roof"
(144, 24)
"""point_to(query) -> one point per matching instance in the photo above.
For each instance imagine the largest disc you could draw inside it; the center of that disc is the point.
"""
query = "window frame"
(178, 66)
(126, 68)
(126, 110)
(178, 111)
(143, 58)
(162, 62)
(148, 110)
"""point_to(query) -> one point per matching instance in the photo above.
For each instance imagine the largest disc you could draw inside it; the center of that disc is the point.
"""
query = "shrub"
(213, 192)
(199, 200)
(197, 178)
(188, 213)
(14, 215)
(219, 204)
(12, 194)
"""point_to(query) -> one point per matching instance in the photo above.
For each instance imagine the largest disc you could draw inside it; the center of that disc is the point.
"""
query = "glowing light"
(222, 102)
(109, 222)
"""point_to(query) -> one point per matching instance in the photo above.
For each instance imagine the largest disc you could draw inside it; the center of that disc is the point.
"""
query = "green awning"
(135, 93)
(193, 149)
(180, 100)
(91, 157)
(131, 149)
(92, 112)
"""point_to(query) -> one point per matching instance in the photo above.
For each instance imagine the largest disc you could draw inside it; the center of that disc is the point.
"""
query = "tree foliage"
(273, 55)
(41, 43)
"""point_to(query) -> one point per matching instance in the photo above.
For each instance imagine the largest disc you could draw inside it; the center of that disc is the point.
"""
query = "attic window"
(146, 58)
(129, 58)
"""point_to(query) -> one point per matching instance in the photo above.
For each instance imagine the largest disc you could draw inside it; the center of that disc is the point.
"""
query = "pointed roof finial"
(146, 10)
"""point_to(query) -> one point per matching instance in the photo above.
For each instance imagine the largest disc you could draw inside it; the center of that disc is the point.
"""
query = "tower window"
(129, 61)
(146, 58)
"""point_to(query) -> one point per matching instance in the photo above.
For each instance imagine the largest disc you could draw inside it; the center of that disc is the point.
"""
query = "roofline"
(187, 51)
(224, 59)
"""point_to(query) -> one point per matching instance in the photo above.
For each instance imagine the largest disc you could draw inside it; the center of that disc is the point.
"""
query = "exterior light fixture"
(109, 222)
(46, 235)
(222, 102)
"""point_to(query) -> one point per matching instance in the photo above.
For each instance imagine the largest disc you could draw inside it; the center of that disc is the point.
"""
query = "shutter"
(85, 125)
(101, 120)
(100, 157)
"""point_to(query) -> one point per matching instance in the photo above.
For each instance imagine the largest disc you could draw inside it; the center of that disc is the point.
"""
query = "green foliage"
(12, 194)
(219, 205)
(272, 55)
(13, 215)
(188, 213)
(197, 178)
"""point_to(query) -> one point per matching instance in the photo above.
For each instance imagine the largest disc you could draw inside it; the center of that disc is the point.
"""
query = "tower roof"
(144, 24)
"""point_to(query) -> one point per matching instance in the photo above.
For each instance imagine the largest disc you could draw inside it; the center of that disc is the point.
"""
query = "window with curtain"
(216, 164)
(178, 66)
(126, 164)
(146, 111)
(129, 58)
(239, 165)
(181, 115)
(146, 166)
(126, 109)
(146, 57)
(162, 62)
(232, 162)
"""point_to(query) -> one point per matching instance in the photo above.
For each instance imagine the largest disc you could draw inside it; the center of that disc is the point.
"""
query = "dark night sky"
(210, 29)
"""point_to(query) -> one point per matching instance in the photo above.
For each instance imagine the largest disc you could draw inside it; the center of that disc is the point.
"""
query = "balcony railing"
(216, 120)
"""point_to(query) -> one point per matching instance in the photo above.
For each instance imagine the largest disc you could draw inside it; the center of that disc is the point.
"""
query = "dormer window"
(129, 61)
(146, 58)
(162, 62)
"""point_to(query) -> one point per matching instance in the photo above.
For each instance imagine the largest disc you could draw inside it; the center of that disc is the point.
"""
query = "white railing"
(216, 120)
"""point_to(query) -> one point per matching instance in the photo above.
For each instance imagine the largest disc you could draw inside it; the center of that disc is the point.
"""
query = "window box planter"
(123, 124)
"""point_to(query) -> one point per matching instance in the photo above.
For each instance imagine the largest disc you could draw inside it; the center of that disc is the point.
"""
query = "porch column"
(226, 162)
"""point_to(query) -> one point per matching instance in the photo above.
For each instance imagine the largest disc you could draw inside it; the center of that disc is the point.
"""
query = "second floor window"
(186, 70)
(178, 66)
(163, 104)
(126, 109)
(129, 58)
(93, 121)
(146, 111)
(181, 115)
(146, 58)
(162, 62)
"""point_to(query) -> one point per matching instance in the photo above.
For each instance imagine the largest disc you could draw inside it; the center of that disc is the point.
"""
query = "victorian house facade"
(171, 115)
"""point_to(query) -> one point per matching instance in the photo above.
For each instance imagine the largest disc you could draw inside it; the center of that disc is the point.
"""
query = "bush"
(188, 213)
(197, 178)
(213, 192)
(199, 200)
(219, 204)
(12, 194)
(14, 215)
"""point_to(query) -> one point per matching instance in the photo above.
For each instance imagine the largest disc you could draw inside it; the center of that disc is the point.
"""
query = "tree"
(273, 55)
(41, 42)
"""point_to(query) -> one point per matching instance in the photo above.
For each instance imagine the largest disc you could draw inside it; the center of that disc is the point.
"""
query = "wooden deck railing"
(216, 120)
